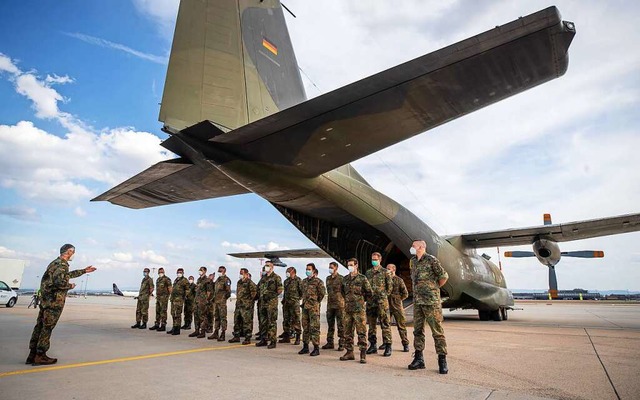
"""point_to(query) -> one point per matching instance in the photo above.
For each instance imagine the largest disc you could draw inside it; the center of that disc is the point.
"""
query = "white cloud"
(204, 224)
(124, 257)
(117, 46)
(60, 80)
(20, 212)
(151, 256)
(7, 65)
(271, 246)
(161, 11)
(245, 247)
(80, 212)
(6, 253)
(45, 99)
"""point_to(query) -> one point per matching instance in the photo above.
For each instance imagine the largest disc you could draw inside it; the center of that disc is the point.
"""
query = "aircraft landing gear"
(504, 313)
(493, 315)
(484, 315)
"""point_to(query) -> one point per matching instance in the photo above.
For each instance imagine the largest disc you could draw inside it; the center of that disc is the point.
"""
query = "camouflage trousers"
(335, 315)
(41, 336)
(261, 329)
(176, 312)
(397, 312)
(291, 317)
(243, 320)
(162, 303)
(220, 315)
(142, 310)
(209, 316)
(357, 320)
(311, 325)
(378, 311)
(269, 313)
(189, 305)
(431, 315)
(201, 315)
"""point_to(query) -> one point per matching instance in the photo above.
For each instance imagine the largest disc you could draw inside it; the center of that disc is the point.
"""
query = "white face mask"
(413, 251)
(161, 274)
(190, 280)
(220, 273)
(352, 269)
(179, 275)
(288, 275)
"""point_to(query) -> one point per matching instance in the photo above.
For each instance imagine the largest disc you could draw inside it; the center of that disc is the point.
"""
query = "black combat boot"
(202, 334)
(214, 335)
(348, 356)
(373, 349)
(234, 339)
(154, 327)
(170, 331)
(282, 335)
(162, 328)
(442, 364)
(195, 333)
(143, 326)
(382, 346)
(176, 331)
(32, 356)
(247, 340)
(136, 326)
(329, 345)
(261, 343)
(405, 348)
(315, 352)
(221, 337)
(305, 349)
(363, 356)
(185, 326)
(297, 342)
(387, 350)
(418, 361)
(285, 338)
(272, 345)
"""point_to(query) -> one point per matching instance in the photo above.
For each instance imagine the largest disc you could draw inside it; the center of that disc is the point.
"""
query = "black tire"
(483, 315)
(12, 302)
(496, 315)
(504, 313)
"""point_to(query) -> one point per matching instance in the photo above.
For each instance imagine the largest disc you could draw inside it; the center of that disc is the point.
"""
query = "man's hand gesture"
(90, 268)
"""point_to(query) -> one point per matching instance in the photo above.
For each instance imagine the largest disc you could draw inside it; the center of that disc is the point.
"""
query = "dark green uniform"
(142, 308)
(178, 295)
(427, 307)
(335, 308)
(378, 305)
(312, 294)
(269, 291)
(291, 305)
(398, 293)
(53, 289)
(222, 291)
(204, 292)
(162, 299)
(189, 304)
(262, 331)
(355, 290)
(246, 292)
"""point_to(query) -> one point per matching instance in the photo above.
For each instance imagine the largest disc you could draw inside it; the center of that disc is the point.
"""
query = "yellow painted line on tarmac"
(115, 360)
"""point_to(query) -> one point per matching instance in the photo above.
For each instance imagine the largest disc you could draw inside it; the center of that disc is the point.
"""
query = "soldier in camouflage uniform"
(427, 276)
(222, 292)
(291, 307)
(312, 294)
(378, 306)
(204, 291)
(163, 290)
(142, 308)
(53, 286)
(335, 307)
(269, 291)
(178, 296)
(398, 293)
(189, 304)
(210, 306)
(355, 289)
(246, 292)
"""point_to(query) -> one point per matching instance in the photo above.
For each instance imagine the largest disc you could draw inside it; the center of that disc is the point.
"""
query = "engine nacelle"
(547, 252)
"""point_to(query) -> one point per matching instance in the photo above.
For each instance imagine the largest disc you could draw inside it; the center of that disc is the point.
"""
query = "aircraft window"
(3, 286)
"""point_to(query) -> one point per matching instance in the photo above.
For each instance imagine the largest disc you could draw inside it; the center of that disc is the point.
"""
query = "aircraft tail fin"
(117, 291)
(231, 63)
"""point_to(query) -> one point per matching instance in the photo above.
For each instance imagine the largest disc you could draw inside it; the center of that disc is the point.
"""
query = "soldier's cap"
(66, 247)
(146, 270)
(180, 270)
(160, 269)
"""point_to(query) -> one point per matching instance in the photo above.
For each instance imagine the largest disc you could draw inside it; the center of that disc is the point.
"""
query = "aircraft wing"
(173, 181)
(300, 253)
(361, 118)
(558, 232)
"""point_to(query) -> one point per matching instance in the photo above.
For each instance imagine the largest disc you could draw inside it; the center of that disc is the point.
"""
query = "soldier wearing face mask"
(335, 307)
(222, 292)
(398, 293)
(312, 294)
(178, 296)
(378, 306)
(269, 291)
(204, 291)
(163, 290)
(291, 307)
(189, 304)
(355, 289)
(246, 292)
(142, 308)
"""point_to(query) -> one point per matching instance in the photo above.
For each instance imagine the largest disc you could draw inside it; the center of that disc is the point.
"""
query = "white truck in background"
(10, 280)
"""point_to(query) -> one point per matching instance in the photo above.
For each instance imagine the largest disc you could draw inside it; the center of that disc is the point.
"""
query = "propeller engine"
(547, 251)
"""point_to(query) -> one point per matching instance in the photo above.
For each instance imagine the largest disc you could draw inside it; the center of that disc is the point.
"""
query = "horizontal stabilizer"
(269, 254)
(556, 232)
(168, 182)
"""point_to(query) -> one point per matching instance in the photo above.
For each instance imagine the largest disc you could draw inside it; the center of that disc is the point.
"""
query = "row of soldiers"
(354, 301)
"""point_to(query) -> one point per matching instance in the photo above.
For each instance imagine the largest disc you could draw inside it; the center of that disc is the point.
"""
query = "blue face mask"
(309, 273)
(375, 263)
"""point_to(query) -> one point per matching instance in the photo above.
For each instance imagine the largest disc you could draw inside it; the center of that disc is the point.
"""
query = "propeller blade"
(553, 283)
(583, 254)
(519, 254)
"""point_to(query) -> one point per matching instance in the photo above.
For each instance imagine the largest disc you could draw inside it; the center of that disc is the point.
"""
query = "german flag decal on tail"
(270, 46)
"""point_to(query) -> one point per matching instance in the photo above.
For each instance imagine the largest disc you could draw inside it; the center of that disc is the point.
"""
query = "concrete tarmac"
(562, 350)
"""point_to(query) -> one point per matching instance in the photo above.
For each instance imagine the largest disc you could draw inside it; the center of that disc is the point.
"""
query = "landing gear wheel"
(496, 315)
(504, 313)
(484, 315)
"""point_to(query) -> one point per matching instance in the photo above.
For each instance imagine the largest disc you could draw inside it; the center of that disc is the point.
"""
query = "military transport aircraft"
(235, 109)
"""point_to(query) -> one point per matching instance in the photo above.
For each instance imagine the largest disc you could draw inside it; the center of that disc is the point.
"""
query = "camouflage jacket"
(259, 287)
(292, 290)
(180, 289)
(271, 287)
(398, 293)
(334, 292)
(146, 287)
(425, 274)
(204, 289)
(222, 289)
(381, 284)
(191, 293)
(355, 289)
(246, 292)
(312, 293)
(162, 286)
(55, 283)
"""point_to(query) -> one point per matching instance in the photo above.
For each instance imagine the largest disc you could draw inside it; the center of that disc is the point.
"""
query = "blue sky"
(79, 94)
